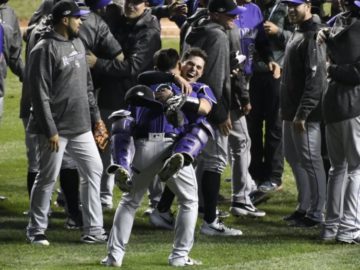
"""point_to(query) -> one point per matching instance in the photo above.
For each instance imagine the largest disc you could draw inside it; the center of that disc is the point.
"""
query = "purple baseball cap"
(296, 2)
(97, 4)
(357, 3)
(67, 8)
(225, 6)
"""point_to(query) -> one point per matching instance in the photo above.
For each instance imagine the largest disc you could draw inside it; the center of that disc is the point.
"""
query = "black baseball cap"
(296, 2)
(97, 4)
(67, 8)
(225, 6)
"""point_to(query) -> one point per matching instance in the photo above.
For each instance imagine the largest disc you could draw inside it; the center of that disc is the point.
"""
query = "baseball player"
(154, 139)
(192, 65)
(11, 47)
(62, 98)
(342, 114)
(303, 81)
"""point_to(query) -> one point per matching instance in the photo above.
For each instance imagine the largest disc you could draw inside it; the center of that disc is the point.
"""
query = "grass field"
(267, 243)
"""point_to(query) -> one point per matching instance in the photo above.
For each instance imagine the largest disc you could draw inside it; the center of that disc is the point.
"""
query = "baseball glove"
(101, 135)
(173, 112)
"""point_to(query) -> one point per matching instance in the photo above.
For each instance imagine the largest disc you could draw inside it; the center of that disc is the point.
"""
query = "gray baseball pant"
(107, 180)
(215, 158)
(83, 150)
(303, 153)
(32, 148)
(148, 160)
(344, 152)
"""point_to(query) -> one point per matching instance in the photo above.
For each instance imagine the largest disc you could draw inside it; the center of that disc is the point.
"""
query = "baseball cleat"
(123, 179)
(342, 240)
(294, 216)
(171, 167)
(328, 233)
(109, 262)
(186, 261)
(218, 228)
(39, 239)
(241, 209)
(269, 186)
(94, 239)
(304, 222)
(162, 220)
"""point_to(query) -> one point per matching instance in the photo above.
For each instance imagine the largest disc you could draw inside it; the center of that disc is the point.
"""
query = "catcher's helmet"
(141, 95)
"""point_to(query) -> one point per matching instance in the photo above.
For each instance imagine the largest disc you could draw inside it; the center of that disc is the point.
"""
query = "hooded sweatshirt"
(60, 87)
(212, 38)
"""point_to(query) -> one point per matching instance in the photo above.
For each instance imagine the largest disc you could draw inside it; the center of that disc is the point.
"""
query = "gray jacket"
(212, 38)
(60, 87)
(12, 45)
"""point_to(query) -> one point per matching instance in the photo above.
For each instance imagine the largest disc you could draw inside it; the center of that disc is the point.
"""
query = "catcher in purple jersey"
(154, 140)
(184, 112)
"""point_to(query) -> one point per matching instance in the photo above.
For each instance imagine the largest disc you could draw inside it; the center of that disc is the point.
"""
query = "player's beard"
(72, 33)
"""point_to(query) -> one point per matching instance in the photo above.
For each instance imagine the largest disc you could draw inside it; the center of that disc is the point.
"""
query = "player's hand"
(91, 59)
(275, 69)
(54, 143)
(299, 125)
(270, 28)
(322, 36)
(185, 86)
(246, 108)
(225, 127)
(177, 9)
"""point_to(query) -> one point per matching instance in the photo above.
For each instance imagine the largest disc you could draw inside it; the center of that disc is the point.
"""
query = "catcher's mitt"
(101, 135)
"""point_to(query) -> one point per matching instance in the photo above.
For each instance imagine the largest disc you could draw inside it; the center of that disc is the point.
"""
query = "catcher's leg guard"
(191, 144)
(122, 151)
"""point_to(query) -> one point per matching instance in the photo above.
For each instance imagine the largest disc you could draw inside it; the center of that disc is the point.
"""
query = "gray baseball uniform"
(302, 83)
(342, 117)
(61, 105)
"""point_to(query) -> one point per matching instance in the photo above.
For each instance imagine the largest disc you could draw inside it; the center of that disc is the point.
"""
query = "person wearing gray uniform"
(154, 138)
(10, 49)
(341, 113)
(303, 81)
(12, 45)
(210, 35)
(62, 99)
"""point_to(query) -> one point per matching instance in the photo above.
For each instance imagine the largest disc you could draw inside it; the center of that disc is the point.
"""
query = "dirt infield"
(168, 28)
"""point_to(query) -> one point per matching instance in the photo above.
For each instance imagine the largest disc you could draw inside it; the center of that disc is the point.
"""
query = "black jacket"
(139, 41)
(341, 100)
(304, 75)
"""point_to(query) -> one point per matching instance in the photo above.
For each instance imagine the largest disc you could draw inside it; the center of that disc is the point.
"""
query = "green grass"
(267, 243)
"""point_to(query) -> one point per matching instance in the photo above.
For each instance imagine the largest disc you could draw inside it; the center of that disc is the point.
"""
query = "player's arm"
(40, 71)
(135, 61)
(156, 77)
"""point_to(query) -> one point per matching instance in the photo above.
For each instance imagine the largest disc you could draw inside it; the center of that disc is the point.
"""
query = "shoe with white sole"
(241, 209)
(162, 220)
(109, 262)
(182, 262)
(218, 228)
(39, 239)
(94, 239)
(171, 167)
